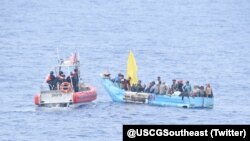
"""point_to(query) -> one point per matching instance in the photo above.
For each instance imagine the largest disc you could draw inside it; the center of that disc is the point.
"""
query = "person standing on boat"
(209, 91)
(187, 88)
(76, 74)
(157, 87)
(163, 88)
(51, 80)
(75, 80)
(158, 80)
(60, 78)
(117, 79)
(128, 83)
(70, 77)
(179, 86)
(123, 84)
(195, 91)
(202, 92)
(173, 87)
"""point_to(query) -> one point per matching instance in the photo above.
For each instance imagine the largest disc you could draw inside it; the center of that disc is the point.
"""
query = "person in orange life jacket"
(51, 81)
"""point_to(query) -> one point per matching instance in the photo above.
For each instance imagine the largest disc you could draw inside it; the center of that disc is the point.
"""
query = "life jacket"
(48, 78)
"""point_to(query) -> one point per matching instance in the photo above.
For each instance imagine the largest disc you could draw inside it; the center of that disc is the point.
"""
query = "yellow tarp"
(132, 68)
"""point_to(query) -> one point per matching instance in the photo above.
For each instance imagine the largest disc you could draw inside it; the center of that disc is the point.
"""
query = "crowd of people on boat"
(161, 88)
(55, 81)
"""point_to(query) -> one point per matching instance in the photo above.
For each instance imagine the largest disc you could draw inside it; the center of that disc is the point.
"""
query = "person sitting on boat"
(202, 92)
(152, 89)
(173, 87)
(149, 86)
(209, 91)
(139, 87)
(163, 88)
(133, 87)
(195, 91)
(51, 80)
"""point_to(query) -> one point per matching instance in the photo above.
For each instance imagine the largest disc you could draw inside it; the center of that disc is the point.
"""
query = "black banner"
(187, 132)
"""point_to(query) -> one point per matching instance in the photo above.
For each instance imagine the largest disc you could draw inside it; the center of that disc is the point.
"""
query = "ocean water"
(203, 41)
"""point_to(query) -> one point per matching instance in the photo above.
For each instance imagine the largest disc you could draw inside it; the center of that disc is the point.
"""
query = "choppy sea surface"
(203, 41)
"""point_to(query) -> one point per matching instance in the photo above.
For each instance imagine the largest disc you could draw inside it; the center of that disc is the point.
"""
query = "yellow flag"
(132, 68)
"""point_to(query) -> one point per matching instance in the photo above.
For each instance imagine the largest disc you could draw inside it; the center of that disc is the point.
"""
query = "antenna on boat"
(78, 61)
(58, 57)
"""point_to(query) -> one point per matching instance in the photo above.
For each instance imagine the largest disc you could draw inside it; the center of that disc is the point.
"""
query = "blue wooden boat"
(120, 95)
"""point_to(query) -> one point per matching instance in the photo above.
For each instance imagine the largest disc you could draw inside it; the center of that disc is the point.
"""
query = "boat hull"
(120, 95)
(76, 98)
(84, 96)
